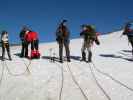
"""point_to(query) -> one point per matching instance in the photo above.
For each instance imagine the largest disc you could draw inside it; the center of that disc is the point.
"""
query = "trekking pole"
(50, 52)
(54, 54)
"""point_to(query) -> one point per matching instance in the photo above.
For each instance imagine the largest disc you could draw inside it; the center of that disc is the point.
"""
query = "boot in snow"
(61, 60)
(83, 56)
(90, 57)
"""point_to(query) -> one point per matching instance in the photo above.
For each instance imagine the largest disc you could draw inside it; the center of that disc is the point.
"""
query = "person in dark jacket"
(128, 30)
(89, 35)
(5, 45)
(62, 38)
(24, 43)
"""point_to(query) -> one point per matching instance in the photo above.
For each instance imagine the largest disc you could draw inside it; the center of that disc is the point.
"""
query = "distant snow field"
(109, 77)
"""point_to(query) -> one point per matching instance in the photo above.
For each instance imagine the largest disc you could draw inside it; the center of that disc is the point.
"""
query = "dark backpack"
(91, 34)
(62, 32)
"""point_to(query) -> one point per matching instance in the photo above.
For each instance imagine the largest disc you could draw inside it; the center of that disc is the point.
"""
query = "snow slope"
(44, 80)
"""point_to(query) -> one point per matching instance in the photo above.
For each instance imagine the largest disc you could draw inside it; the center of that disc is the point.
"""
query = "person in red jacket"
(32, 37)
(34, 40)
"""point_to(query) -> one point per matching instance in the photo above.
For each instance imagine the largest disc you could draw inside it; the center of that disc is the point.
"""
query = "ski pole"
(50, 51)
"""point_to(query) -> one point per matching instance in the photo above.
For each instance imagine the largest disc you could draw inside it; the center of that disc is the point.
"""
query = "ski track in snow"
(109, 77)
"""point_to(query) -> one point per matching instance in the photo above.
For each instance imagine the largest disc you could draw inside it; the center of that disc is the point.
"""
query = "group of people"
(27, 37)
(89, 34)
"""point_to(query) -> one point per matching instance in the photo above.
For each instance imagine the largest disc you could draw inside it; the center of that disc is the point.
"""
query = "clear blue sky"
(44, 15)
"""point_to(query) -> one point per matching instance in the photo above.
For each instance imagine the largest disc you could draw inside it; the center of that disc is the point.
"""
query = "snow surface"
(44, 79)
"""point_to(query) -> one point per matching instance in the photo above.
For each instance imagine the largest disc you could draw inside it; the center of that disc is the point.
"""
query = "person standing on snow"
(32, 37)
(24, 43)
(128, 30)
(5, 45)
(89, 35)
(62, 38)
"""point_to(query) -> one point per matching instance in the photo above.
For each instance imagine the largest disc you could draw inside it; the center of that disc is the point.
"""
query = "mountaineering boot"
(2, 59)
(10, 59)
(68, 59)
(83, 56)
(90, 57)
(61, 61)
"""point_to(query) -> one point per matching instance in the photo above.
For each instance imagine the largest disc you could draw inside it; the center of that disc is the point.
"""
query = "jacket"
(31, 36)
(62, 34)
(4, 38)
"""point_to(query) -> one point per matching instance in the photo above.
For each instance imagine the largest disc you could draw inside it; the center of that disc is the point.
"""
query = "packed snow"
(110, 79)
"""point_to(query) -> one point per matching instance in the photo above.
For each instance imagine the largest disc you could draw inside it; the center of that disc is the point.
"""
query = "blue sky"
(43, 16)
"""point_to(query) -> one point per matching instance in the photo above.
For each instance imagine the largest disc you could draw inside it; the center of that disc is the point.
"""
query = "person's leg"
(26, 49)
(23, 49)
(8, 51)
(130, 39)
(83, 52)
(132, 46)
(35, 53)
(36, 44)
(88, 46)
(32, 55)
(89, 54)
(61, 51)
(32, 45)
(3, 51)
(66, 44)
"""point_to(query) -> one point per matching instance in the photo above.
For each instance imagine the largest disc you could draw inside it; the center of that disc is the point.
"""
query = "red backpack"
(35, 54)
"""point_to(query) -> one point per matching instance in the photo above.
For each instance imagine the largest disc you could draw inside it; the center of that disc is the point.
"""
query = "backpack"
(91, 33)
(35, 54)
(62, 31)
